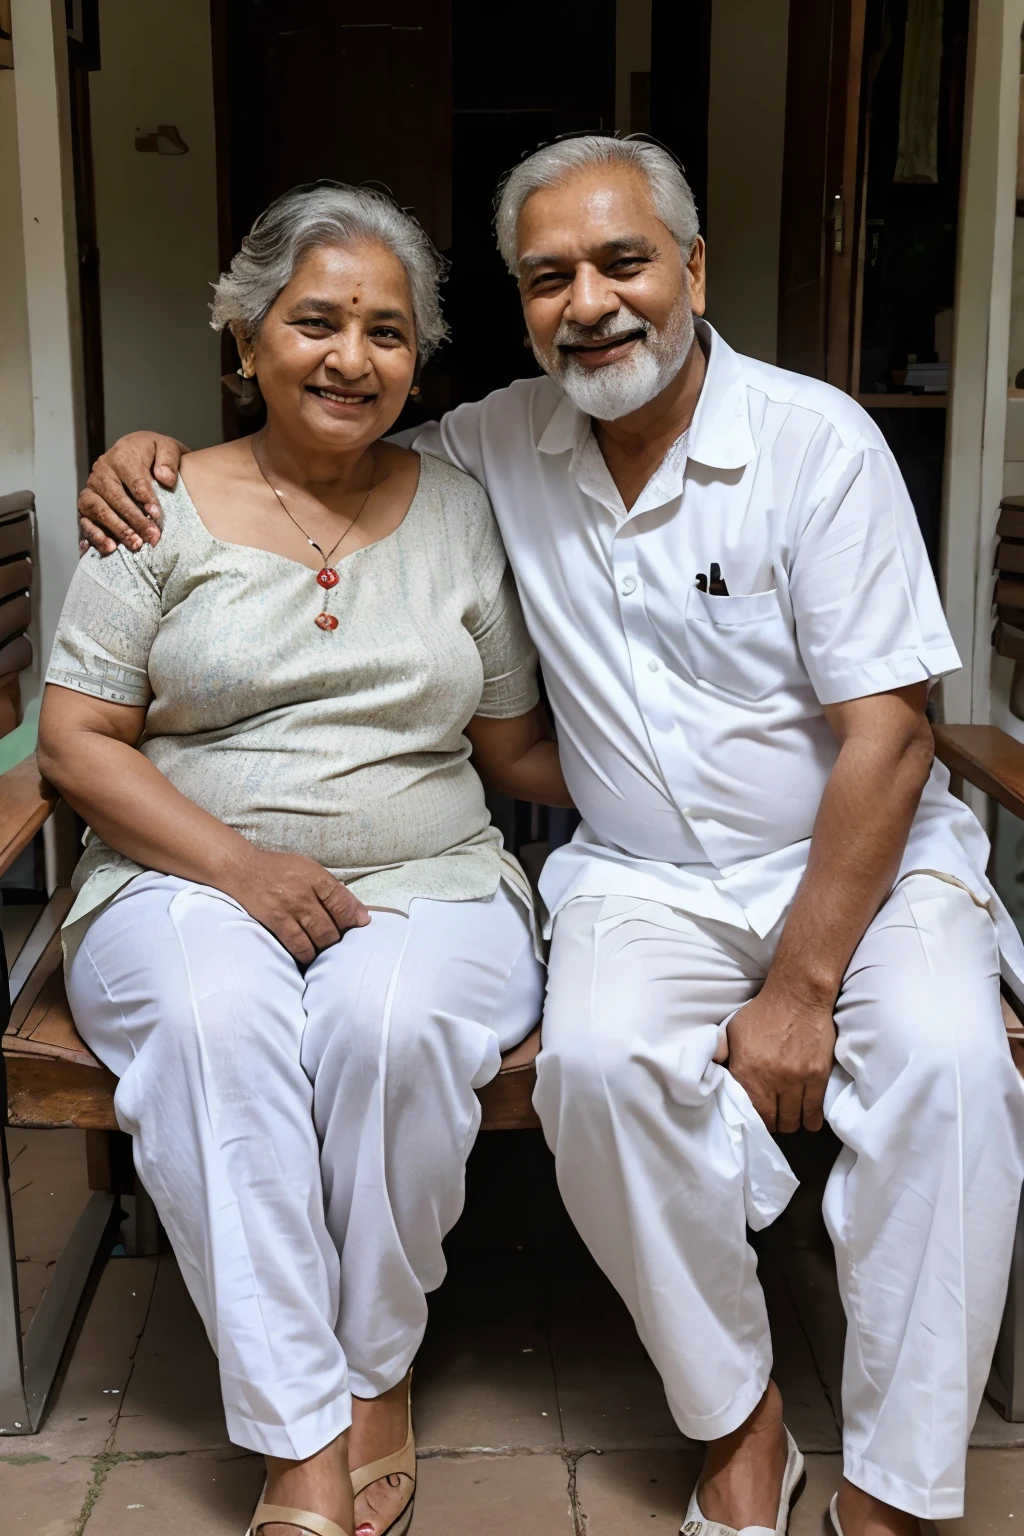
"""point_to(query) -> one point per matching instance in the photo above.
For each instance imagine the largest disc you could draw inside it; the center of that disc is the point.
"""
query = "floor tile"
(810, 1512)
(609, 1394)
(172, 1402)
(624, 1493)
(169, 1495)
(486, 1387)
(809, 1276)
(82, 1420)
(994, 1503)
(808, 1410)
(493, 1496)
(991, 1429)
(484, 1378)
(40, 1497)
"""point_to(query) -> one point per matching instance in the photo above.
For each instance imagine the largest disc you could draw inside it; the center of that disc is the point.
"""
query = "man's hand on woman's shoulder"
(117, 505)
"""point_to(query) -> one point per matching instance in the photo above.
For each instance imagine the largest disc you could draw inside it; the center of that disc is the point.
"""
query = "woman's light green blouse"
(346, 746)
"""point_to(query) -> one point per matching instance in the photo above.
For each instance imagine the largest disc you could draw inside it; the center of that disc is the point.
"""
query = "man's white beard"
(619, 388)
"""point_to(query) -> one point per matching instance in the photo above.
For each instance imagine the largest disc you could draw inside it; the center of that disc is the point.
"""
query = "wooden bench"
(53, 1080)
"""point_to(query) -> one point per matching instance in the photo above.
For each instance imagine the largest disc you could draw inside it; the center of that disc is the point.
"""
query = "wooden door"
(821, 214)
(349, 90)
(345, 90)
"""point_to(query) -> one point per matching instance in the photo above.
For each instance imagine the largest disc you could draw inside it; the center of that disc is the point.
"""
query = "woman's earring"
(249, 389)
(414, 391)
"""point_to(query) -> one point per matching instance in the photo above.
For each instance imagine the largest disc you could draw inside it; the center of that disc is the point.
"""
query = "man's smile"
(609, 349)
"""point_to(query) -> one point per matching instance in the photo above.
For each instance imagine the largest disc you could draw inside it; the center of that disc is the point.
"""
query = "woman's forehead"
(363, 270)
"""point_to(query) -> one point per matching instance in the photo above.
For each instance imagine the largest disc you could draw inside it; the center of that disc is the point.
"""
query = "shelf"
(903, 402)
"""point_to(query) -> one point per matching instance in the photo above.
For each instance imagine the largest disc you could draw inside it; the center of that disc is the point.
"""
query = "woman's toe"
(379, 1505)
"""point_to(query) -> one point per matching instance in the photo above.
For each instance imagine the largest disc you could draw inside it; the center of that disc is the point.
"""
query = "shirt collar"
(719, 435)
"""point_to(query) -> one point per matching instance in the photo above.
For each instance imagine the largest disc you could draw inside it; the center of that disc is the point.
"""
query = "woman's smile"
(340, 402)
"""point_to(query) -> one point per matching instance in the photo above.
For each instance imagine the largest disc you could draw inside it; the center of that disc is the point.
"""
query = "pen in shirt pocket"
(713, 584)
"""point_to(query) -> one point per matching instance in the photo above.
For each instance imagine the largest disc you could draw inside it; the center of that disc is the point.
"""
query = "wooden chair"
(28, 1367)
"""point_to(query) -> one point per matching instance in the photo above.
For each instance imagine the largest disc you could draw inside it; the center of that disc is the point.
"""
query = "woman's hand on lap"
(299, 901)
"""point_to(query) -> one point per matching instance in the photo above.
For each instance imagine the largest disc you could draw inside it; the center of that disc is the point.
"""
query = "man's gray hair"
(557, 163)
(328, 213)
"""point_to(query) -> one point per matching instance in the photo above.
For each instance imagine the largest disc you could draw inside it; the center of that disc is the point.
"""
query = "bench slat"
(26, 803)
(986, 757)
(55, 1080)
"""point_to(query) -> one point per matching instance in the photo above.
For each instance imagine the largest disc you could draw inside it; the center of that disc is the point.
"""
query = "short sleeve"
(510, 661)
(107, 626)
(493, 614)
(866, 608)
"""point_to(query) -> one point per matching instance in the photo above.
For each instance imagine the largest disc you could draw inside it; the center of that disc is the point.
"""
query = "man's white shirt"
(691, 728)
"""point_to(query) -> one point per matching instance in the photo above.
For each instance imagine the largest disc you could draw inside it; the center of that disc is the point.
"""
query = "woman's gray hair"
(555, 164)
(328, 213)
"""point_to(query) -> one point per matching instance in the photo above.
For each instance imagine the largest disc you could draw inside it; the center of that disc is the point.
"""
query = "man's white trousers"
(303, 1135)
(662, 1163)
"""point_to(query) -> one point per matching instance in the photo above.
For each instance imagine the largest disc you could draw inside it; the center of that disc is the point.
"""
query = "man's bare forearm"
(859, 838)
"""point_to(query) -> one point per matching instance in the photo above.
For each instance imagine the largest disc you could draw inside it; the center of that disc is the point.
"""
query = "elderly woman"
(297, 939)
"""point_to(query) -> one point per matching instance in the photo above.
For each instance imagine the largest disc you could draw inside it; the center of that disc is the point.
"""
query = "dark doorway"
(434, 100)
(680, 88)
(512, 89)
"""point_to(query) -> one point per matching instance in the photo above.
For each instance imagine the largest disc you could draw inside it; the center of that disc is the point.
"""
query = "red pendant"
(325, 621)
(328, 577)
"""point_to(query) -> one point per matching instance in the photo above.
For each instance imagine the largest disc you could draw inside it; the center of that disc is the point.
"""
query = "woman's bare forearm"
(138, 812)
(536, 777)
(519, 758)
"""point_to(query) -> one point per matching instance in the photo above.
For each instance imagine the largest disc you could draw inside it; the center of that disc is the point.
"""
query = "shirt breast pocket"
(741, 645)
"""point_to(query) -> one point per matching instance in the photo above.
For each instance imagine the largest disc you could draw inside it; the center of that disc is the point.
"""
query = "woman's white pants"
(303, 1135)
(662, 1163)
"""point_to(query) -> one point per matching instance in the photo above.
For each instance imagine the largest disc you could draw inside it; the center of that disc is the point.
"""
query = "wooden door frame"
(818, 280)
(843, 177)
(976, 428)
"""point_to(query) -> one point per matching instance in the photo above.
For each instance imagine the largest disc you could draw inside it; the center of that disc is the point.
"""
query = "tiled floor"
(536, 1408)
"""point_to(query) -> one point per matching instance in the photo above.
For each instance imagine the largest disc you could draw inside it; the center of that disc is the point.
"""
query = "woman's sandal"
(402, 1463)
(304, 1521)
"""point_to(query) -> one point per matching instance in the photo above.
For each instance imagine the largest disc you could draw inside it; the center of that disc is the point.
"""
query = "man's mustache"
(571, 334)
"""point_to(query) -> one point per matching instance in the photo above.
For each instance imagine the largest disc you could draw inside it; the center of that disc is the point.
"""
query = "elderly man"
(773, 911)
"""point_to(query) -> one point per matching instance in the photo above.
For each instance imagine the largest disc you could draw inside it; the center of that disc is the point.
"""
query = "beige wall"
(15, 367)
(157, 219)
(746, 121)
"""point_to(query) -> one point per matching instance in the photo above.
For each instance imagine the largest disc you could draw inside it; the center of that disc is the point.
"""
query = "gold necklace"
(327, 577)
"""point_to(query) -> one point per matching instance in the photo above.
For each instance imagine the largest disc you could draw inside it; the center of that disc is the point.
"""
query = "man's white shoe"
(696, 1525)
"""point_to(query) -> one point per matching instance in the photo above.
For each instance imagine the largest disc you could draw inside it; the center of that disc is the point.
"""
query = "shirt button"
(629, 585)
(652, 665)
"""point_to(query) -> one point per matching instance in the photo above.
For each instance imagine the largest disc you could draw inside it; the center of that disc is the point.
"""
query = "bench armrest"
(988, 758)
(26, 800)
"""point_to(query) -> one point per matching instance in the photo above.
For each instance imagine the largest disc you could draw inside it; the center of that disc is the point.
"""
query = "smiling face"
(336, 354)
(608, 298)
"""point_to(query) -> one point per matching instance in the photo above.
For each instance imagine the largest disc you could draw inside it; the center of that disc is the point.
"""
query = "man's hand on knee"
(782, 1050)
